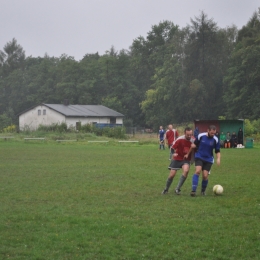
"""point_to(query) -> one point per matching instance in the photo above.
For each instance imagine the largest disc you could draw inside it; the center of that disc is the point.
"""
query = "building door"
(78, 126)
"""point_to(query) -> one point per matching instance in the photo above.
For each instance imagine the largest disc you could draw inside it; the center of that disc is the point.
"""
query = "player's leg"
(169, 181)
(173, 167)
(205, 174)
(195, 177)
(185, 172)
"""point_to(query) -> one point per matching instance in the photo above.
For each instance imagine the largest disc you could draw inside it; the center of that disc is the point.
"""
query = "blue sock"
(195, 182)
(204, 185)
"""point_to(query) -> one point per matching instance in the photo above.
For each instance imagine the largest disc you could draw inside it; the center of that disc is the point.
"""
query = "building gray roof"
(84, 110)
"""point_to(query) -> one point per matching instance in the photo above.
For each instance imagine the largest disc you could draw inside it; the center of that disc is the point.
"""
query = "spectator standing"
(240, 136)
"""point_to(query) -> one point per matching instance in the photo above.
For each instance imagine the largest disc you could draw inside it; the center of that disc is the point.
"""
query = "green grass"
(95, 201)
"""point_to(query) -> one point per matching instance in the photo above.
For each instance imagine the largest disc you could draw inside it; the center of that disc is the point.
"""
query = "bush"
(5, 121)
(53, 128)
(87, 128)
(10, 129)
(97, 131)
(112, 132)
(256, 125)
(119, 133)
(249, 128)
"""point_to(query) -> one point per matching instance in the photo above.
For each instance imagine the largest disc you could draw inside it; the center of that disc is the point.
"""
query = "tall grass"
(93, 201)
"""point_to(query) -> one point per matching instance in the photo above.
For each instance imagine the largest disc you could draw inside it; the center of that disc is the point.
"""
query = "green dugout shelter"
(221, 125)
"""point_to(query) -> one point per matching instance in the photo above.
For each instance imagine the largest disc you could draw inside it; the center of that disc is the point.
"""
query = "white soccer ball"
(218, 189)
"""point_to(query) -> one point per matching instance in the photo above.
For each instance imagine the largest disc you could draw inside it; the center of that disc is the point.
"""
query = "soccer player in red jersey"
(180, 160)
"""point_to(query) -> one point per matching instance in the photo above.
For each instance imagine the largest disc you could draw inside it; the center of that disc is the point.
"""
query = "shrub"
(249, 128)
(87, 128)
(53, 128)
(97, 131)
(119, 132)
(256, 125)
(10, 129)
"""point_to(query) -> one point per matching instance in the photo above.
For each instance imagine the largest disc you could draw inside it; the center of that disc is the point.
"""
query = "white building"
(72, 115)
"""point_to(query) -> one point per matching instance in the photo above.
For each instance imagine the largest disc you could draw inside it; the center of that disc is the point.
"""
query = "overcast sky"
(79, 27)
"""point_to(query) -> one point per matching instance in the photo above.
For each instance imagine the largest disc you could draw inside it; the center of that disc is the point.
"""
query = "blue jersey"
(161, 134)
(205, 146)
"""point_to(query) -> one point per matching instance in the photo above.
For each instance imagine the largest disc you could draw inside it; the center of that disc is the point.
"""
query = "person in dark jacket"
(233, 140)
(196, 132)
(240, 136)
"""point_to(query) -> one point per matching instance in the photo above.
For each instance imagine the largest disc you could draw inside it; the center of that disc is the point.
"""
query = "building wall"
(203, 125)
(31, 119)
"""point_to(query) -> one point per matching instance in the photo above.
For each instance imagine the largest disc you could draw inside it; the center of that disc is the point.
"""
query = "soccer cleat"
(203, 193)
(164, 192)
(193, 193)
(178, 192)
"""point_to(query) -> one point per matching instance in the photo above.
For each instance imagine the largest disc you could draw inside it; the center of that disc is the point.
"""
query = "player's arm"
(218, 158)
(175, 148)
(192, 147)
(217, 152)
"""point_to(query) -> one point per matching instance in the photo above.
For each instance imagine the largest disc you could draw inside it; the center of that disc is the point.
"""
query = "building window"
(39, 112)
(44, 112)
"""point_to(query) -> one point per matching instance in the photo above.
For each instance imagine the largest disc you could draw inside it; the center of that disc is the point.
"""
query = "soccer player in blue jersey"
(161, 135)
(205, 144)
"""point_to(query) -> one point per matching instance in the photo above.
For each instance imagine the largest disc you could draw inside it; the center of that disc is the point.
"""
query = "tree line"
(173, 75)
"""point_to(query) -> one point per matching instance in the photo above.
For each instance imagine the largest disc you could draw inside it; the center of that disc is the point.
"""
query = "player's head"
(212, 130)
(161, 127)
(170, 127)
(188, 133)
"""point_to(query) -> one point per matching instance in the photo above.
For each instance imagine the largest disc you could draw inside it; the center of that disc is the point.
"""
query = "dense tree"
(161, 105)
(203, 62)
(242, 88)
(172, 75)
(12, 57)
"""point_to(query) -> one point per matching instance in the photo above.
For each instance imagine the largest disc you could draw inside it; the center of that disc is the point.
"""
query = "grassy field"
(93, 201)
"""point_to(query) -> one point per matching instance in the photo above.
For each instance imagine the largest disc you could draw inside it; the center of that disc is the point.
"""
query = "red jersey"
(171, 136)
(182, 147)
